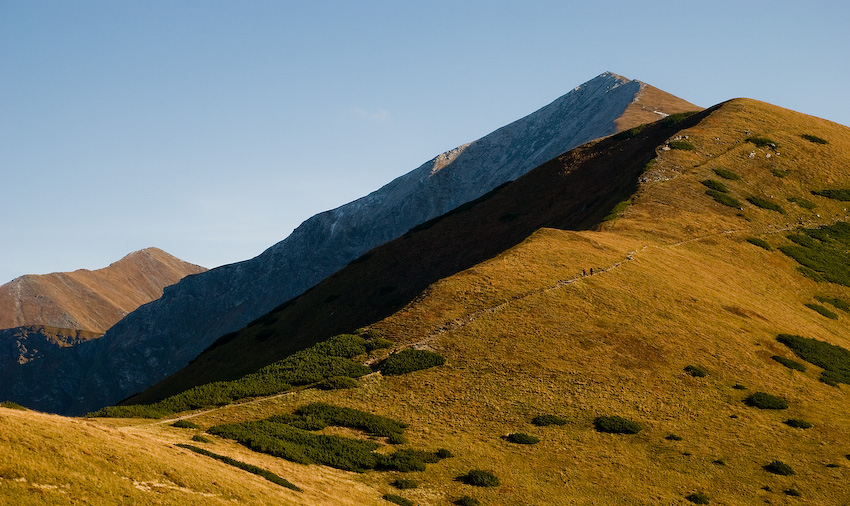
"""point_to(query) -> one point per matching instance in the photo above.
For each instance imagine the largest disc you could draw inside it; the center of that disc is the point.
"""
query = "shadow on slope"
(574, 191)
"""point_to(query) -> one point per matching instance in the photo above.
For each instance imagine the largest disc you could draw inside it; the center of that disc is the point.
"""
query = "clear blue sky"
(211, 128)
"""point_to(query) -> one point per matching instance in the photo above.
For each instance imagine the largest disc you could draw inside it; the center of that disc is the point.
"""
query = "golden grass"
(676, 283)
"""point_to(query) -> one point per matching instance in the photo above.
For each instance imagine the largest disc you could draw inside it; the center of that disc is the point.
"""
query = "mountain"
(91, 300)
(161, 337)
(674, 300)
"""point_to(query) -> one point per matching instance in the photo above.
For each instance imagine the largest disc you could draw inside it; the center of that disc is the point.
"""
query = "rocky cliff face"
(161, 337)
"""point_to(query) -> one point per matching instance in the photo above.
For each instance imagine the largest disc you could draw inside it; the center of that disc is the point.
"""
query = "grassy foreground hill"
(697, 270)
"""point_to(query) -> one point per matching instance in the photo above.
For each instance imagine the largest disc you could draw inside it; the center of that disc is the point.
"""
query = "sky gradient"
(211, 129)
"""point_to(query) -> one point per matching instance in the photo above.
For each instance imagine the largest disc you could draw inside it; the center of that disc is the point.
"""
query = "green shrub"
(201, 439)
(836, 303)
(738, 386)
(185, 424)
(719, 462)
(765, 204)
(780, 468)
(822, 310)
(815, 139)
(378, 343)
(338, 383)
(723, 198)
(12, 405)
(522, 439)
(715, 185)
(352, 418)
(673, 437)
(779, 172)
(696, 372)
(793, 492)
(270, 476)
(805, 204)
(683, 145)
(797, 423)
(397, 439)
(397, 499)
(479, 478)
(466, 501)
(544, 420)
(674, 119)
(762, 142)
(407, 460)
(727, 174)
(442, 453)
(617, 210)
(616, 425)
(697, 498)
(834, 360)
(761, 243)
(790, 364)
(628, 134)
(404, 484)
(824, 251)
(763, 400)
(840, 194)
(410, 360)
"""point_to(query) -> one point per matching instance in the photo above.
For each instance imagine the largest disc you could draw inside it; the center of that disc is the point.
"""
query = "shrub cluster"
(763, 400)
(762, 142)
(185, 424)
(790, 364)
(761, 243)
(616, 425)
(822, 310)
(825, 251)
(834, 360)
(270, 476)
(836, 194)
(480, 478)
(466, 501)
(834, 302)
(397, 499)
(715, 185)
(338, 383)
(522, 438)
(683, 145)
(404, 484)
(697, 498)
(337, 416)
(797, 423)
(723, 198)
(673, 437)
(696, 372)
(805, 204)
(780, 468)
(815, 139)
(544, 420)
(727, 174)
(410, 360)
(201, 439)
(765, 204)
(12, 405)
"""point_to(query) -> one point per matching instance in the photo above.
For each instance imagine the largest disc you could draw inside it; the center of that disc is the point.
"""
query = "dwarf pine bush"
(616, 425)
(480, 478)
(410, 360)
(763, 400)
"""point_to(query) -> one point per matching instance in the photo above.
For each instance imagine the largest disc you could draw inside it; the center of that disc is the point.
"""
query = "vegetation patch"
(397, 499)
(618, 209)
(404, 484)
(836, 194)
(544, 420)
(201, 439)
(815, 139)
(697, 498)
(683, 145)
(762, 142)
(834, 302)
(779, 172)
(723, 198)
(270, 476)
(480, 478)
(824, 251)
(674, 119)
(410, 360)
(780, 468)
(790, 364)
(466, 501)
(761, 243)
(522, 439)
(695, 371)
(765, 204)
(616, 425)
(338, 383)
(822, 310)
(834, 360)
(185, 424)
(352, 418)
(12, 405)
(793, 492)
(798, 424)
(327, 359)
(727, 174)
(763, 400)
(715, 185)
(805, 204)
(673, 437)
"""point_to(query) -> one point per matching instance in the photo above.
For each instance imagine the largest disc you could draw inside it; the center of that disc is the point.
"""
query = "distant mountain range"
(161, 337)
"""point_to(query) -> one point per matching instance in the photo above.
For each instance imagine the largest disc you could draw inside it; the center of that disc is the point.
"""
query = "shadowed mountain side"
(91, 300)
(160, 338)
(574, 191)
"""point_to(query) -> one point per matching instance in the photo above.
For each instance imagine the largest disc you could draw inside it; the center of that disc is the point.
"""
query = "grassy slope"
(526, 334)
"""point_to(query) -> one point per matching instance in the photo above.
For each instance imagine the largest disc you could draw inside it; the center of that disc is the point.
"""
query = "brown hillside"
(651, 104)
(91, 300)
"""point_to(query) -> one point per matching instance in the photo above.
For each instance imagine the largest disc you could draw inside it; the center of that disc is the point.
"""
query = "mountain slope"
(678, 280)
(91, 300)
(168, 333)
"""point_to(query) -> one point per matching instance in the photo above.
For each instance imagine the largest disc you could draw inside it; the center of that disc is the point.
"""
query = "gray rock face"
(161, 337)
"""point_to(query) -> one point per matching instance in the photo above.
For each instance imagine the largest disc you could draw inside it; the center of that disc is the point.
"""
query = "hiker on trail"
(584, 272)
(591, 271)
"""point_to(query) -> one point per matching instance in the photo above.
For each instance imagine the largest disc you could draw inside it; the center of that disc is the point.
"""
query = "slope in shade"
(161, 337)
